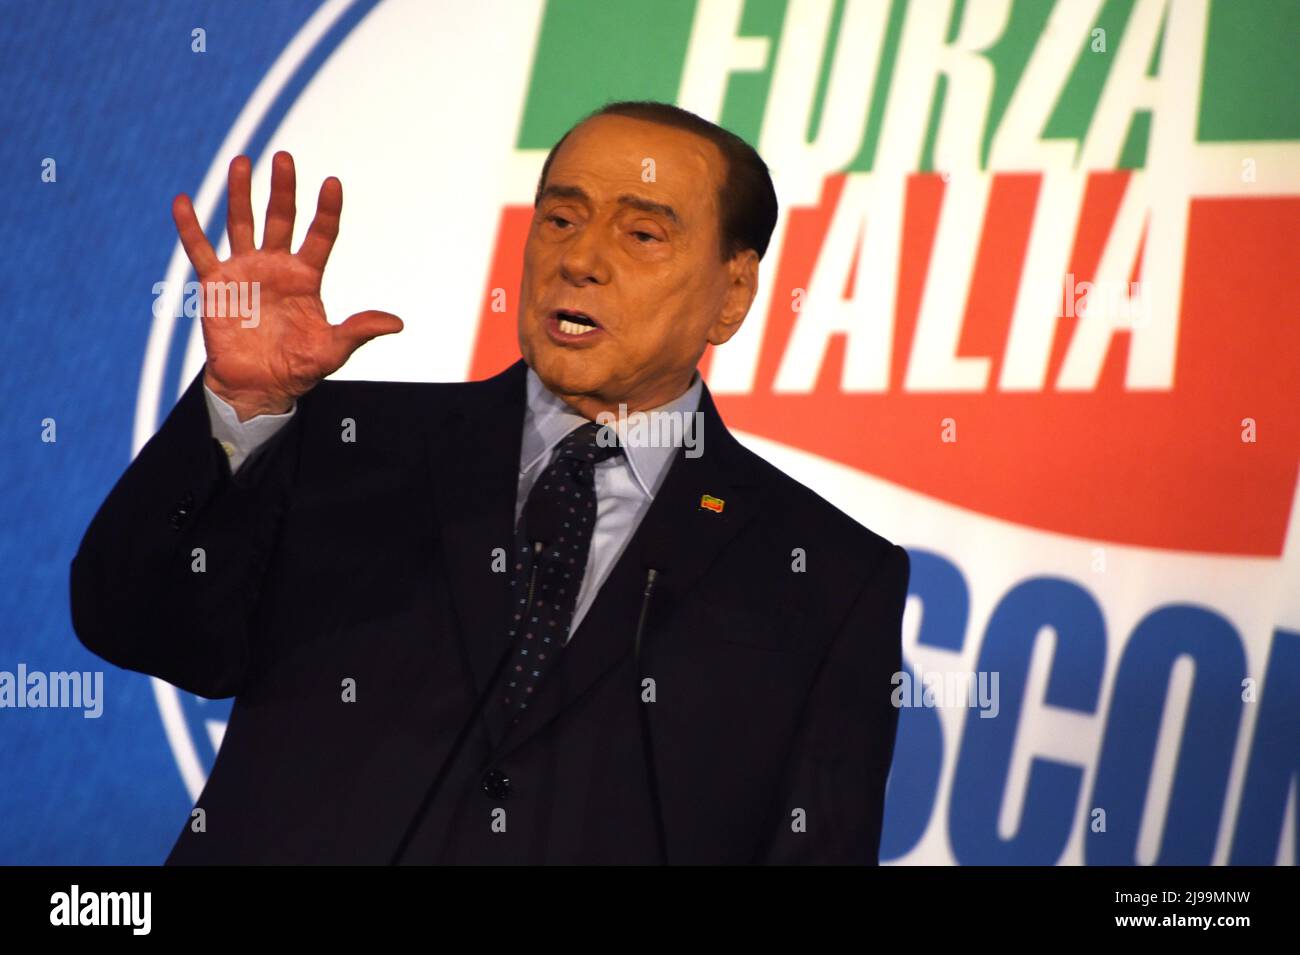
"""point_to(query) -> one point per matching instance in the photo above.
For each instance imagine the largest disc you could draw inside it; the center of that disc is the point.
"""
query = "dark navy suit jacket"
(770, 733)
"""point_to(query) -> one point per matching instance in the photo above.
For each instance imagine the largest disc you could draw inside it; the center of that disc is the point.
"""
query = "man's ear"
(742, 286)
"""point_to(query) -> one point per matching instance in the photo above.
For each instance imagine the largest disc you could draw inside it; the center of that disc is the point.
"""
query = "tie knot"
(590, 443)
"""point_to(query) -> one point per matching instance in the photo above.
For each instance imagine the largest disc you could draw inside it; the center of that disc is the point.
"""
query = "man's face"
(627, 235)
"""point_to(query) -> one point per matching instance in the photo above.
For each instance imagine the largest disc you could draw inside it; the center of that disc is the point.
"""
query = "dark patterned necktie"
(565, 493)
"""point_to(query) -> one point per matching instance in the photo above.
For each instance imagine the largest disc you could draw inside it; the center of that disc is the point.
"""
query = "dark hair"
(746, 198)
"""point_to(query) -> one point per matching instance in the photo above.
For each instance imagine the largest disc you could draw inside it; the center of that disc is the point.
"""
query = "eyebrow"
(635, 202)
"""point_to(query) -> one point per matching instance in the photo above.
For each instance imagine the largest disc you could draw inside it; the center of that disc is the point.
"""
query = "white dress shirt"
(625, 485)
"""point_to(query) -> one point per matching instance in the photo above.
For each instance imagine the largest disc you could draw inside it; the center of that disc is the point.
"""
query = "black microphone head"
(656, 545)
(542, 521)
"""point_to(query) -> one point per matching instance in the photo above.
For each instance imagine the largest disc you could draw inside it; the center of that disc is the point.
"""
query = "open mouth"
(571, 323)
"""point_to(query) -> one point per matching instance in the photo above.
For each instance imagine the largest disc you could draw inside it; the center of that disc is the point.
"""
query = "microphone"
(543, 522)
(542, 525)
(655, 549)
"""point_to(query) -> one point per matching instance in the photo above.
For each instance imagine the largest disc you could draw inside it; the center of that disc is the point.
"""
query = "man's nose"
(584, 261)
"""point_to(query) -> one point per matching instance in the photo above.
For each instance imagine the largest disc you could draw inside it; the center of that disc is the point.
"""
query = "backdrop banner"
(1030, 311)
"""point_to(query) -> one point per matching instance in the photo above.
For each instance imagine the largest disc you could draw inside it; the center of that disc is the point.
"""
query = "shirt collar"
(548, 419)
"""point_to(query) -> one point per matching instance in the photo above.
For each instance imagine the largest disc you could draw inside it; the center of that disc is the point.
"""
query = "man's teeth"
(573, 328)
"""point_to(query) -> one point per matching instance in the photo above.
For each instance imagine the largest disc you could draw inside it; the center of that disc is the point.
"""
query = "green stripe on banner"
(1251, 67)
(1074, 110)
(639, 55)
(746, 96)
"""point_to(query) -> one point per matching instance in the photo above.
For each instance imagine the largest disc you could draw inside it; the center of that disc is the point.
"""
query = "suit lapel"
(680, 539)
(475, 473)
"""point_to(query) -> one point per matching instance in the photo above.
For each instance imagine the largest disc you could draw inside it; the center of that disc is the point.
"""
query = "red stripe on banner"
(497, 343)
(1101, 200)
(805, 234)
(995, 280)
(921, 208)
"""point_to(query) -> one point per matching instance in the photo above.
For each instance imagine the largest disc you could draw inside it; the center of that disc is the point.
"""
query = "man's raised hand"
(262, 366)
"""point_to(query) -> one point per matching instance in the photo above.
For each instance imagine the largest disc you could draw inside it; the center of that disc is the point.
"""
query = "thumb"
(358, 329)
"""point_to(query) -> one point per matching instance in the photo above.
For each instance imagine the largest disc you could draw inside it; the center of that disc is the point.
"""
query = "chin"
(564, 376)
(565, 370)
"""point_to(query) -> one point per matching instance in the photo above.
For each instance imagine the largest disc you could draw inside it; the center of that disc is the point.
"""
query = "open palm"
(262, 364)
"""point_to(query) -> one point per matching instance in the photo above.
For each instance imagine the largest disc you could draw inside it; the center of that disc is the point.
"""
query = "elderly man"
(471, 623)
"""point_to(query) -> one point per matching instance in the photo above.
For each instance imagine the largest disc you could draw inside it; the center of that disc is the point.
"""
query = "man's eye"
(645, 238)
(558, 220)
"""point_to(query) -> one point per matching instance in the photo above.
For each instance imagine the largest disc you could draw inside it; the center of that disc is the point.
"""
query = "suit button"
(496, 784)
(181, 513)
